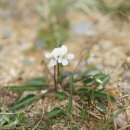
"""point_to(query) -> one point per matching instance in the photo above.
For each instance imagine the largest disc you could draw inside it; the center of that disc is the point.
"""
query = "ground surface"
(106, 39)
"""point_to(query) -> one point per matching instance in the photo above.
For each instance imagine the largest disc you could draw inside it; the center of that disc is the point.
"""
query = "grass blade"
(71, 84)
(70, 106)
(84, 114)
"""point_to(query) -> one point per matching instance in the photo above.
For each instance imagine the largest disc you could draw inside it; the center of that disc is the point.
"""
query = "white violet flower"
(53, 56)
(64, 55)
(59, 55)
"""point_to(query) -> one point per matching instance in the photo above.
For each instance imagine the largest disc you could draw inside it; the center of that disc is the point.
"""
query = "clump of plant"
(58, 56)
(87, 85)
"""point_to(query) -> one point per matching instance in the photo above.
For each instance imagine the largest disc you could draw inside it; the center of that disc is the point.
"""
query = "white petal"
(70, 56)
(52, 63)
(48, 55)
(56, 53)
(64, 61)
(60, 60)
(64, 49)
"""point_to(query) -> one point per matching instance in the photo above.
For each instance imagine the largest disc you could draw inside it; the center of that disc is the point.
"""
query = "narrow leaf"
(97, 94)
(38, 81)
(101, 107)
(70, 106)
(60, 95)
(102, 78)
(54, 112)
(23, 102)
(71, 84)
(89, 81)
(84, 114)
(24, 88)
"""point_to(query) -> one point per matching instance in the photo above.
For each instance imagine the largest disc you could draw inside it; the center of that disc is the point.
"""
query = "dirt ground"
(107, 39)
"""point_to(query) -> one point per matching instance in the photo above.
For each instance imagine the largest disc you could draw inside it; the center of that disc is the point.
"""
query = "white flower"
(48, 55)
(64, 56)
(53, 56)
(56, 53)
(53, 61)
(59, 55)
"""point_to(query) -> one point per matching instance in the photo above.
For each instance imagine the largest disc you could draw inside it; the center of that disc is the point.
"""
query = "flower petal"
(52, 63)
(64, 61)
(70, 56)
(48, 55)
(56, 53)
(60, 60)
(64, 49)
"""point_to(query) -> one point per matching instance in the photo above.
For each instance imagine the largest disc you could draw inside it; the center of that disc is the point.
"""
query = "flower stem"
(58, 73)
(55, 82)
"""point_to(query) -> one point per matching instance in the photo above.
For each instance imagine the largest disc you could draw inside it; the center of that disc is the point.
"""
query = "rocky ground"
(106, 38)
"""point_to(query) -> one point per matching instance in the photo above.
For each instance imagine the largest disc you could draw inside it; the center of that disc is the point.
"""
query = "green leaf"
(24, 88)
(23, 102)
(89, 81)
(74, 128)
(54, 112)
(95, 94)
(99, 79)
(5, 127)
(31, 85)
(111, 99)
(60, 95)
(3, 119)
(70, 106)
(84, 114)
(82, 91)
(102, 95)
(103, 78)
(71, 84)
(101, 107)
(38, 81)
